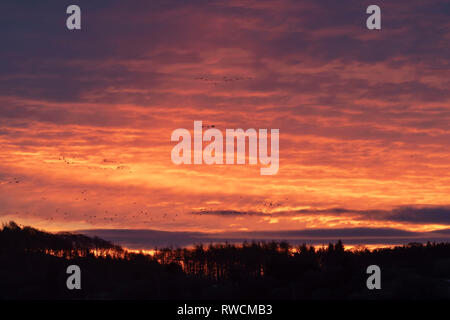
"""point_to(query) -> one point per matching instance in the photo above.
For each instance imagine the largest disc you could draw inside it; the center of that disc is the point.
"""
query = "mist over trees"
(33, 266)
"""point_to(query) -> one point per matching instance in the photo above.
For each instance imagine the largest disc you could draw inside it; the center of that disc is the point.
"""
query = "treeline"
(305, 272)
(33, 266)
(64, 244)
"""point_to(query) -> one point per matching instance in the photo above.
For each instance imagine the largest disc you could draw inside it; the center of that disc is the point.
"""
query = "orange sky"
(86, 118)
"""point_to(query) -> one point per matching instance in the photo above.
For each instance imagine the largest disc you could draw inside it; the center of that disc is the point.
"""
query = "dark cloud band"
(408, 214)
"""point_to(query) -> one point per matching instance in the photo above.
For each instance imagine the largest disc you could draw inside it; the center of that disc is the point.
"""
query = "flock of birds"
(105, 215)
(10, 181)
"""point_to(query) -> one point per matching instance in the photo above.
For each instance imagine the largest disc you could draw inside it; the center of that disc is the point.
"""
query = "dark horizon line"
(150, 238)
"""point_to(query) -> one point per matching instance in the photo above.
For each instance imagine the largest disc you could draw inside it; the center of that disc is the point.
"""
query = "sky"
(86, 116)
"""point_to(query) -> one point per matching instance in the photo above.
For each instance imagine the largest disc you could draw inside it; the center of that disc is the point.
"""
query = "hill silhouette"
(33, 266)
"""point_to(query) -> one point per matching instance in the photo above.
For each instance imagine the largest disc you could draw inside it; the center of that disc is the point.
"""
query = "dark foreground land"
(33, 266)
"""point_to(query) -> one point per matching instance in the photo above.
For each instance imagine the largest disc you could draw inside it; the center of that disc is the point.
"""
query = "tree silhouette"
(33, 264)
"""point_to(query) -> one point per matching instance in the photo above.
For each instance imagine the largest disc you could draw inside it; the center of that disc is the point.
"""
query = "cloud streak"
(149, 239)
(410, 214)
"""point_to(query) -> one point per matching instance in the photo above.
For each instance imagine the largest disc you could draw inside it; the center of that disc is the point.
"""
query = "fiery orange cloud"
(85, 127)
